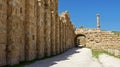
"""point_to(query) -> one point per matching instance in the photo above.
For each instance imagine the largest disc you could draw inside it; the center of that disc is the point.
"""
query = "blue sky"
(83, 12)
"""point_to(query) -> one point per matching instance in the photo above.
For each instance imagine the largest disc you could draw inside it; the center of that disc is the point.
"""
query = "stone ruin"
(32, 29)
(95, 38)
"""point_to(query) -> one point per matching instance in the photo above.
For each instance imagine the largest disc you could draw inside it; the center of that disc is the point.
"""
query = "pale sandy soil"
(109, 61)
(77, 57)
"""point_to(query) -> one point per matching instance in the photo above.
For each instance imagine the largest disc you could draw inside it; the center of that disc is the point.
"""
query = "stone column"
(53, 24)
(66, 36)
(98, 21)
(60, 22)
(3, 31)
(73, 35)
(58, 34)
(62, 34)
(15, 39)
(48, 27)
(53, 34)
(40, 28)
(30, 29)
(22, 30)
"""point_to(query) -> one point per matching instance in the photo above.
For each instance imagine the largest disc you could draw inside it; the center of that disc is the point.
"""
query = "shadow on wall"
(52, 61)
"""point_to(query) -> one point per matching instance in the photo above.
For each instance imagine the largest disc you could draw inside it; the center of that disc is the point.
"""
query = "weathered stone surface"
(100, 40)
(31, 29)
(3, 31)
(22, 30)
(61, 34)
(15, 45)
(40, 29)
(58, 35)
(53, 26)
(48, 27)
(67, 31)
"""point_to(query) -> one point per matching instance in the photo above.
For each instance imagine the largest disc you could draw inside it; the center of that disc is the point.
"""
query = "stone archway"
(80, 40)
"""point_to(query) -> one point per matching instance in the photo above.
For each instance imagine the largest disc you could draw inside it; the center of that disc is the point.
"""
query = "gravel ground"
(109, 61)
(77, 57)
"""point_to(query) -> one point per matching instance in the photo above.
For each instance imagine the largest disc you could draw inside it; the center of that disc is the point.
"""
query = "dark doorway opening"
(80, 40)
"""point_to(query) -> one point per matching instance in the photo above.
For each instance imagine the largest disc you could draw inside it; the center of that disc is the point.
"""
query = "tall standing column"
(57, 34)
(40, 28)
(30, 29)
(53, 25)
(98, 21)
(15, 31)
(56, 25)
(62, 36)
(22, 30)
(53, 34)
(60, 25)
(48, 27)
(3, 31)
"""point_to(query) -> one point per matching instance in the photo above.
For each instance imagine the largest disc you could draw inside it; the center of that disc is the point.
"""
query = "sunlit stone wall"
(32, 29)
(100, 40)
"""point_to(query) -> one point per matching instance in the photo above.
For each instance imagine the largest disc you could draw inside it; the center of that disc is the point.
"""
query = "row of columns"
(32, 29)
(67, 29)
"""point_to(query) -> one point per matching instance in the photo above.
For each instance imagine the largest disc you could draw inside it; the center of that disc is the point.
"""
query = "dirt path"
(76, 57)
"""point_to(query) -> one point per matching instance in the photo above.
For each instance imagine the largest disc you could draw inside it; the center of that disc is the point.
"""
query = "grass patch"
(96, 53)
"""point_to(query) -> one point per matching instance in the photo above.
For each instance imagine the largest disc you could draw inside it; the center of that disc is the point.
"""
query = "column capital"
(97, 14)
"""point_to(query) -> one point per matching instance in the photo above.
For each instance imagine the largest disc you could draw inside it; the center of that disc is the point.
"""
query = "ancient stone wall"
(32, 29)
(40, 29)
(3, 31)
(22, 30)
(104, 40)
(101, 40)
(68, 30)
(58, 35)
(53, 27)
(15, 29)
